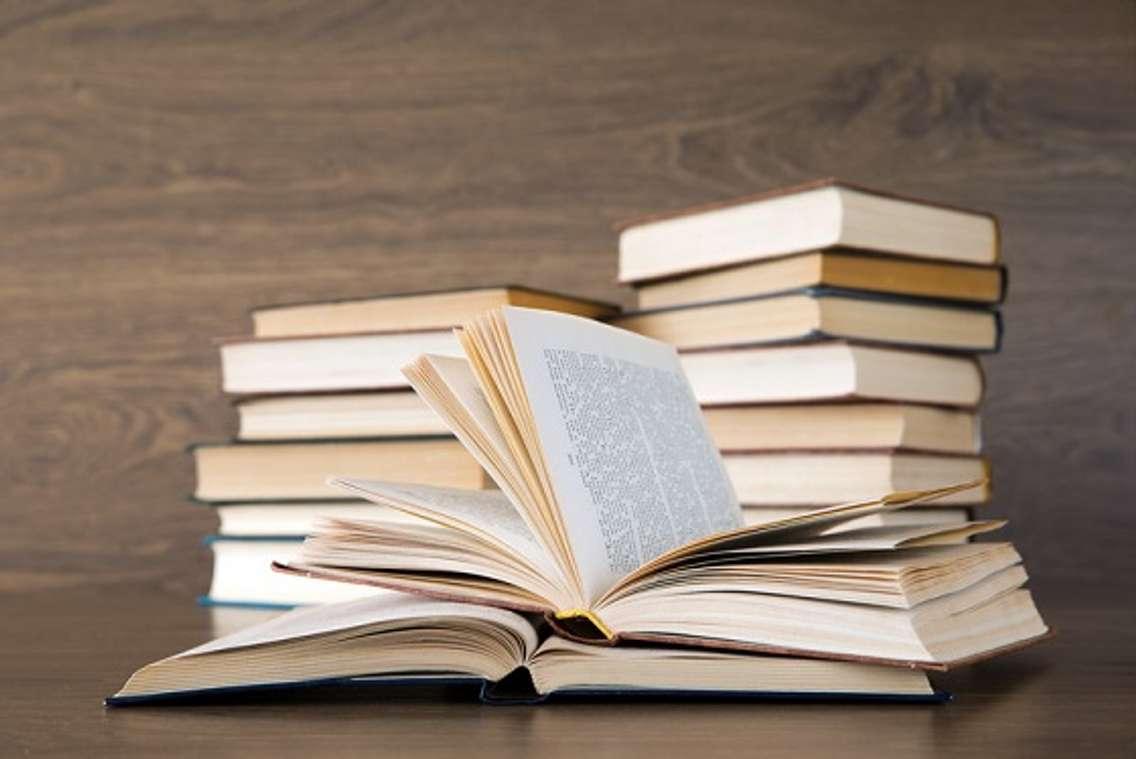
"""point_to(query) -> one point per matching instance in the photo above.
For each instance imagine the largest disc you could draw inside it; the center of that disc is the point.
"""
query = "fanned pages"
(617, 520)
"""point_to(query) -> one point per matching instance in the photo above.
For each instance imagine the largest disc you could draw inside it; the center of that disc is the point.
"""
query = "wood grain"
(164, 166)
(1069, 696)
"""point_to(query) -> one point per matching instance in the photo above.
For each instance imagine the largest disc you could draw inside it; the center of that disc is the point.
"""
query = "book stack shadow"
(318, 390)
(831, 335)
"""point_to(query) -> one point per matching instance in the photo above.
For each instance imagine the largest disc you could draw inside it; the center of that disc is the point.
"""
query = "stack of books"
(830, 333)
(614, 558)
(661, 522)
(319, 391)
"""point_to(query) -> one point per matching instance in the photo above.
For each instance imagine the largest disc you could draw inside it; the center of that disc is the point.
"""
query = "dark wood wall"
(166, 165)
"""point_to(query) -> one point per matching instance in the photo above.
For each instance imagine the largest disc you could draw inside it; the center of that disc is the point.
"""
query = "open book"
(616, 519)
(397, 639)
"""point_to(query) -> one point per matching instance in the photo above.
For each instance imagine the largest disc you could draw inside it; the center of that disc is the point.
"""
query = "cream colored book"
(326, 363)
(439, 309)
(299, 471)
(243, 577)
(843, 426)
(400, 640)
(831, 370)
(814, 216)
(812, 314)
(820, 478)
(351, 415)
(359, 344)
(830, 268)
(617, 520)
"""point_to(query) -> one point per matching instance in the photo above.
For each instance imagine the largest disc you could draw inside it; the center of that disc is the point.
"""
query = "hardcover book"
(818, 478)
(360, 344)
(831, 370)
(818, 313)
(274, 471)
(396, 413)
(617, 521)
(435, 310)
(326, 363)
(243, 576)
(843, 426)
(398, 640)
(813, 216)
(835, 268)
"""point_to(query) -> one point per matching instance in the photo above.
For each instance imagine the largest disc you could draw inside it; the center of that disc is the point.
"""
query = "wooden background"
(164, 166)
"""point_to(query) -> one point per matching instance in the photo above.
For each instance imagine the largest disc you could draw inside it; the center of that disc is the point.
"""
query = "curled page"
(487, 514)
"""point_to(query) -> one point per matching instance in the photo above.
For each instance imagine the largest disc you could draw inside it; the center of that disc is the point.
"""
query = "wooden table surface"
(64, 650)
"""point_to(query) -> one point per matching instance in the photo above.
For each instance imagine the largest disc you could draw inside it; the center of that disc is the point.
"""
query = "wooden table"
(64, 650)
(165, 165)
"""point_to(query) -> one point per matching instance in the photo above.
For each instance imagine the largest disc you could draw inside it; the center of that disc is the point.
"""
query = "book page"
(865, 540)
(484, 513)
(800, 526)
(491, 450)
(632, 465)
(386, 607)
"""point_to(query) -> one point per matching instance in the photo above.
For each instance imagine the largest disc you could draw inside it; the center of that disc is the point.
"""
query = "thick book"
(397, 640)
(820, 313)
(243, 576)
(349, 415)
(432, 310)
(287, 471)
(326, 363)
(616, 520)
(846, 270)
(830, 370)
(361, 344)
(819, 478)
(814, 216)
(843, 426)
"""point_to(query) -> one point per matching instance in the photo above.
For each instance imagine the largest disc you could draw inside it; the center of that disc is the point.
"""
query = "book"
(617, 521)
(243, 576)
(814, 478)
(843, 426)
(811, 314)
(397, 640)
(831, 370)
(295, 519)
(284, 471)
(435, 310)
(326, 364)
(846, 270)
(813, 216)
(366, 415)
